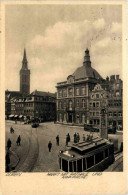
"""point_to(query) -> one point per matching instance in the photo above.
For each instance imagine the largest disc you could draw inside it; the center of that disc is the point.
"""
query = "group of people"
(18, 141)
(9, 143)
(76, 137)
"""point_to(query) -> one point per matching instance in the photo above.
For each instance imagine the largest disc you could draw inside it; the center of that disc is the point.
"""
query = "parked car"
(89, 127)
(35, 125)
(111, 129)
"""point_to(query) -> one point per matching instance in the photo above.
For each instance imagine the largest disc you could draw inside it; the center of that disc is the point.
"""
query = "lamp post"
(103, 121)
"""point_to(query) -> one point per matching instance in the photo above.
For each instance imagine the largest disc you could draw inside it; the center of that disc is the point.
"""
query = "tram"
(90, 156)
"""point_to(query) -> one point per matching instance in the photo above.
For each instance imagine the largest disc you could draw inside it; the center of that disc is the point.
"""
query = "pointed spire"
(24, 61)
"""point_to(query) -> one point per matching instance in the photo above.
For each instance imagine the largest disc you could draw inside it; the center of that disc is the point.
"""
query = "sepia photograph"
(64, 88)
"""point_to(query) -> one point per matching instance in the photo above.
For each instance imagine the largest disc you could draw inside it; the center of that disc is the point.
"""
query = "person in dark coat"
(57, 140)
(9, 143)
(49, 146)
(66, 140)
(18, 140)
(75, 140)
(68, 137)
(7, 161)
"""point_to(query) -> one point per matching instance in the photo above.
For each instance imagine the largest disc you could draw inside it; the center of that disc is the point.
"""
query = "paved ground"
(33, 154)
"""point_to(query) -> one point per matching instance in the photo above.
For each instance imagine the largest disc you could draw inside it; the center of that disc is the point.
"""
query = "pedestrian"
(9, 143)
(49, 146)
(10, 129)
(78, 137)
(87, 137)
(7, 160)
(18, 140)
(66, 140)
(68, 137)
(83, 137)
(57, 140)
(75, 138)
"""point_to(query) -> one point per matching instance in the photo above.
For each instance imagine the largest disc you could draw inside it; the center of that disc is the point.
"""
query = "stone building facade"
(38, 104)
(81, 98)
(73, 94)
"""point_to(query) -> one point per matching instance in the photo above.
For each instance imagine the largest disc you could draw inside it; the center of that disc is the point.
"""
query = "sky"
(56, 37)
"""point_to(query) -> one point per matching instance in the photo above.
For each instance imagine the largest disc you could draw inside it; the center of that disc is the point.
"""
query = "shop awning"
(15, 116)
(11, 115)
(20, 116)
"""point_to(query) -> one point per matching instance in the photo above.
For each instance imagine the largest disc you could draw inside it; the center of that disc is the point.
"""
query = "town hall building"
(82, 96)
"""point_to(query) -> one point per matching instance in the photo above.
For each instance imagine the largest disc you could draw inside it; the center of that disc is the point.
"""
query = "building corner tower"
(24, 76)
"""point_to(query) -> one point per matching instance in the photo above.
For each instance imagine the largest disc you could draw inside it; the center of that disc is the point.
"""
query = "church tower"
(24, 76)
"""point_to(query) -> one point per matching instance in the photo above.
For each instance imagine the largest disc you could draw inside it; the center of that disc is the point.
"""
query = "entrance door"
(70, 118)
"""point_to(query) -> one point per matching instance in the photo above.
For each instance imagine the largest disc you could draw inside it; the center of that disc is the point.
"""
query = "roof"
(83, 146)
(42, 93)
(86, 72)
(12, 94)
(86, 148)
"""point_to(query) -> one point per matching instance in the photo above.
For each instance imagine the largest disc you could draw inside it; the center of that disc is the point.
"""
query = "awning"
(20, 116)
(15, 116)
(11, 115)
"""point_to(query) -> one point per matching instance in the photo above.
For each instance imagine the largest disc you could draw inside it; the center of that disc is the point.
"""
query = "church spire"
(24, 61)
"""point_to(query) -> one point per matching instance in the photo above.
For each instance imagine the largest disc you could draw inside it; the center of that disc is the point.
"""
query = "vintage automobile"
(35, 125)
(89, 127)
(111, 129)
(89, 156)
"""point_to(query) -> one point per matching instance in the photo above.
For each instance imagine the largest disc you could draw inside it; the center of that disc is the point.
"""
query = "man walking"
(57, 140)
(49, 146)
(18, 140)
(9, 143)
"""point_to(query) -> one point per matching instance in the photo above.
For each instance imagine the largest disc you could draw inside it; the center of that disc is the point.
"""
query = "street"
(33, 154)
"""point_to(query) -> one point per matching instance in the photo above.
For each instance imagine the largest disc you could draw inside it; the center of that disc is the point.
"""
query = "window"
(83, 90)
(60, 93)
(106, 153)
(90, 104)
(117, 93)
(110, 114)
(77, 103)
(93, 113)
(70, 104)
(83, 103)
(97, 96)
(83, 118)
(60, 105)
(99, 157)
(70, 91)
(114, 114)
(79, 165)
(97, 104)
(64, 165)
(90, 113)
(120, 114)
(97, 113)
(77, 91)
(64, 93)
(64, 104)
(93, 104)
(90, 161)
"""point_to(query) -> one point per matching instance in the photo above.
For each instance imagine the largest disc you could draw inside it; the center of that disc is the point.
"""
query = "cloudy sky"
(56, 36)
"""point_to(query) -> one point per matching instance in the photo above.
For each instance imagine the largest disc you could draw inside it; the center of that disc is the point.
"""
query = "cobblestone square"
(33, 154)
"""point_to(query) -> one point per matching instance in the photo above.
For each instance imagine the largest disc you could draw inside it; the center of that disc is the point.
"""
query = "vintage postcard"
(63, 97)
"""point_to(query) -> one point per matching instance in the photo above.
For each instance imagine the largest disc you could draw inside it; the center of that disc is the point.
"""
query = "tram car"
(90, 156)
